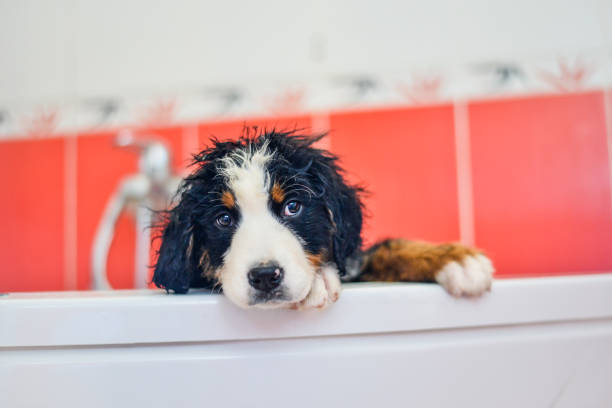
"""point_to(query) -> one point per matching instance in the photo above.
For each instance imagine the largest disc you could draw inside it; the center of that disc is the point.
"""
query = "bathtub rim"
(58, 319)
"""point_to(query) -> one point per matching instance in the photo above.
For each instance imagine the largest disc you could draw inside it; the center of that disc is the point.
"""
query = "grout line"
(320, 124)
(607, 95)
(190, 145)
(70, 213)
(465, 194)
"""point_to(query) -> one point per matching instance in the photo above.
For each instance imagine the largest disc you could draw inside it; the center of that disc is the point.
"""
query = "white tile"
(34, 51)
(391, 35)
(140, 46)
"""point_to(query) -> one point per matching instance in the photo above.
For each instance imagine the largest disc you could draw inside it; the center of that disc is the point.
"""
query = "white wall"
(66, 50)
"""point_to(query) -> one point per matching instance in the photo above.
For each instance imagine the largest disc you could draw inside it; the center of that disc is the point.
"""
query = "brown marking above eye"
(277, 193)
(228, 199)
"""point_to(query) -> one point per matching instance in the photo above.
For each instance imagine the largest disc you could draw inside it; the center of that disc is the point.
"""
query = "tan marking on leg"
(317, 260)
(277, 193)
(461, 270)
(228, 199)
(401, 260)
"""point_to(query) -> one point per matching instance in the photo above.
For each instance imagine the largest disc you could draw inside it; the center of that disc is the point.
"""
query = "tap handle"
(126, 139)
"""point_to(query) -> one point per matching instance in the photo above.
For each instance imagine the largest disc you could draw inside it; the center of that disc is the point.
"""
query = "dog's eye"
(225, 220)
(292, 208)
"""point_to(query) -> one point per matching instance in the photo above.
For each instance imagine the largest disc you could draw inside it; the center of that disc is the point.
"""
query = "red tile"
(541, 184)
(101, 167)
(32, 230)
(406, 159)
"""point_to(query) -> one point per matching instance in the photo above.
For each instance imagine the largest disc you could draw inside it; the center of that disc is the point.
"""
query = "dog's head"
(257, 218)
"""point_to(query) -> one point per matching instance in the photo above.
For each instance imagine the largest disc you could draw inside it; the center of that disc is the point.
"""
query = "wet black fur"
(330, 221)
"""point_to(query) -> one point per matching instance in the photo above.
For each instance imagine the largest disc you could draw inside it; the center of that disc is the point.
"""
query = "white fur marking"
(260, 237)
(472, 277)
(325, 290)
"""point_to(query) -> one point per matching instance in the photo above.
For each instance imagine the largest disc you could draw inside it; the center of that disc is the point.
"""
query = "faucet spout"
(151, 189)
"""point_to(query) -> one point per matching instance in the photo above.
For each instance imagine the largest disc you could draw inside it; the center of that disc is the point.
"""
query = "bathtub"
(530, 343)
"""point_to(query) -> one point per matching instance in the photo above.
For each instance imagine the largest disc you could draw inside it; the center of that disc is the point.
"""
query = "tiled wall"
(527, 179)
(541, 183)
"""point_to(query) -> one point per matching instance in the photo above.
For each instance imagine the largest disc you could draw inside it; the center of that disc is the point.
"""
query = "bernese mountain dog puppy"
(270, 220)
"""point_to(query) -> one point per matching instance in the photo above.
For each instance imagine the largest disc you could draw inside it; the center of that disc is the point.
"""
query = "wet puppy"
(270, 220)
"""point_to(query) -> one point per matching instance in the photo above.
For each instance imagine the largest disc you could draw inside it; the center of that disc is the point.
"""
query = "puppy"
(269, 220)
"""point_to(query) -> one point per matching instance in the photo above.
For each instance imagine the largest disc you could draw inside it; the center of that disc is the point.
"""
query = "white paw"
(472, 277)
(325, 290)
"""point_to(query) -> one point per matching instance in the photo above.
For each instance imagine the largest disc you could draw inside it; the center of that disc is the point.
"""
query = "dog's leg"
(461, 270)
(325, 290)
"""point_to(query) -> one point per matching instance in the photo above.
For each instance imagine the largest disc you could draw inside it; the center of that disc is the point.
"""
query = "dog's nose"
(266, 278)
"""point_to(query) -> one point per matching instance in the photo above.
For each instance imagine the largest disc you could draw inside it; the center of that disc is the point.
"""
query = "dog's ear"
(344, 209)
(343, 204)
(175, 263)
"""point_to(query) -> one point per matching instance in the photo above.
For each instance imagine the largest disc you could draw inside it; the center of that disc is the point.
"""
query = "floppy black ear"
(175, 264)
(343, 206)
(341, 199)
(344, 209)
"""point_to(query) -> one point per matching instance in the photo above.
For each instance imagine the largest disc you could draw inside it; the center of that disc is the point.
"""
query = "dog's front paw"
(472, 276)
(325, 290)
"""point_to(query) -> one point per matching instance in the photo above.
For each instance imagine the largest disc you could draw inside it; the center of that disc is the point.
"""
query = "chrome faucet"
(150, 190)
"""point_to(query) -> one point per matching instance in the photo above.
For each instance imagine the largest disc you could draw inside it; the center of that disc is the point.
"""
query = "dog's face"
(259, 217)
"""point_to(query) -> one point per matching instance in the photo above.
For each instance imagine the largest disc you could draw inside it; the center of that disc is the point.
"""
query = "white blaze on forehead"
(259, 237)
(246, 175)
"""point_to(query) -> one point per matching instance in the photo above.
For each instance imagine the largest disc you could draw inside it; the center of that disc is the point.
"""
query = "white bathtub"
(531, 343)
